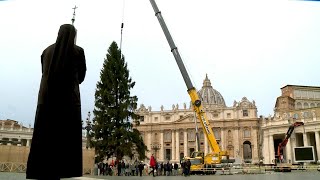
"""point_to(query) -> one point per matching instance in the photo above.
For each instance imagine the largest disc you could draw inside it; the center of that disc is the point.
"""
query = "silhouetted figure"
(187, 166)
(56, 148)
(141, 167)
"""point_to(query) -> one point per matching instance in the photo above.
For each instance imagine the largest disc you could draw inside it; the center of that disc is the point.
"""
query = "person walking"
(57, 132)
(119, 167)
(175, 169)
(188, 166)
(152, 165)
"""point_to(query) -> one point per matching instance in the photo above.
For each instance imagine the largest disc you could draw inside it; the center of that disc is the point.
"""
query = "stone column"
(288, 151)
(149, 134)
(236, 142)
(2, 125)
(173, 145)
(185, 143)
(222, 141)
(28, 142)
(317, 144)
(305, 139)
(255, 155)
(314, 118)
(12, 126)
(308, 139)
(177, 145)
(161, 151)
(205, 144)
(293, 140)
(271, 148)
(265, 149)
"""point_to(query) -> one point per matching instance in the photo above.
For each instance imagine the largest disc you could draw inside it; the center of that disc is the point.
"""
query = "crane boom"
(201, 115)
(287, 136)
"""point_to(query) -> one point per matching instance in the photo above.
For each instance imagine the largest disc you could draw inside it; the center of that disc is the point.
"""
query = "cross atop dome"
(206, 82)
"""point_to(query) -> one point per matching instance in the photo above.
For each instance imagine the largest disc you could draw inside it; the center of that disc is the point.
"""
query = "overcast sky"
(247, 48)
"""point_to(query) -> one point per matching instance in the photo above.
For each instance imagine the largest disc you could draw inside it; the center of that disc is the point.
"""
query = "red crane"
(285, 141)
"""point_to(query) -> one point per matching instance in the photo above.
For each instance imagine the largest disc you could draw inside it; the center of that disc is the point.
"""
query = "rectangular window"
(181, 136)
(141, 118)
(304, 94)
(201, 135)
(245, 113)
(155, 118)
(181, 117)
(191, 136)
(306, 115)
(216, 134)
(228, 115)
(297, 94)
(167, 118)
(246, 133)
(167, 136)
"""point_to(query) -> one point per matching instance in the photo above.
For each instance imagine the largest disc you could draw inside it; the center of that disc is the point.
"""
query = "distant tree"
(113, 133)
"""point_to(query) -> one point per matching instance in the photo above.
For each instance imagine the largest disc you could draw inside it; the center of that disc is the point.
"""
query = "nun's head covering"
(61, 60)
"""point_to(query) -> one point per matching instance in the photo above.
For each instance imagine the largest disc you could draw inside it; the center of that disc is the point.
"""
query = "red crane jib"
(288, 134)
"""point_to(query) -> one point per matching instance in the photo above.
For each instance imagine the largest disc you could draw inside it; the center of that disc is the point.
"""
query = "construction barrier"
(14, 159)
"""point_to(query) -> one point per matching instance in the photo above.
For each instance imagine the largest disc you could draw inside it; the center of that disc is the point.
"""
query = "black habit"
(56, 148)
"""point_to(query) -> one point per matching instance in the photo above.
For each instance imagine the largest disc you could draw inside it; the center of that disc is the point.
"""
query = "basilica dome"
(209, 95)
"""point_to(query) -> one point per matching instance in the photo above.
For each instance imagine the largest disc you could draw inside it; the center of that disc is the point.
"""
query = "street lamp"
(155, 147)
(88, 127)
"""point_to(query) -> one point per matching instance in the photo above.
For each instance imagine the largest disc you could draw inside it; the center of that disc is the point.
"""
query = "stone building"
(15, 141)
(296, 103)
(170, 134)
(13, 133)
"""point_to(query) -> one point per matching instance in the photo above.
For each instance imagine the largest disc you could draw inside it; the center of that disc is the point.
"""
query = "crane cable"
(122, 28)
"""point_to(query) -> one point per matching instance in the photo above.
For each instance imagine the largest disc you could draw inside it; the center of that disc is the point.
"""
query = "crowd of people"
(138, 168)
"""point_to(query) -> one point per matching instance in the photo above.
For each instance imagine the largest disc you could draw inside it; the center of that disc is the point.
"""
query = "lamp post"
(155, 147)
(88, 127)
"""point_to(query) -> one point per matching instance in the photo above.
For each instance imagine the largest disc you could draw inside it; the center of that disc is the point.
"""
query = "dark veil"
(64, 49)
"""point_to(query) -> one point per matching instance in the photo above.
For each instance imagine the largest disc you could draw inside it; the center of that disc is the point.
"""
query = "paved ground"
(295, 175)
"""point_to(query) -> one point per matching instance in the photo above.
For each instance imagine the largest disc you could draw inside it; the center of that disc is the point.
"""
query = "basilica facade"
(171, 134)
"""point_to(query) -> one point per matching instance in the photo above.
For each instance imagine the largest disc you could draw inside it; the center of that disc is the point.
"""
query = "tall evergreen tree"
(114, 110)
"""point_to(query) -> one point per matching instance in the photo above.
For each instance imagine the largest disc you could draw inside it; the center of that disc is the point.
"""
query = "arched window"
(229, 134)
(155, 137)
(305, 105)
(312, 105)
(299, 105)
(318, 105)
